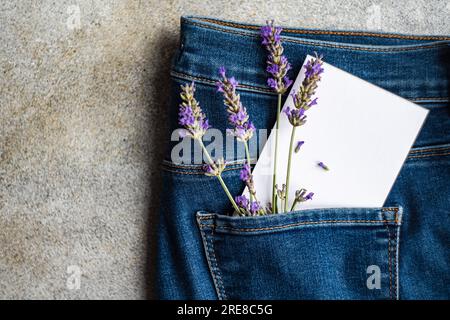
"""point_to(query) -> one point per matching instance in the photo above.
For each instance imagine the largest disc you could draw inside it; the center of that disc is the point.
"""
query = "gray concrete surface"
(83, 87)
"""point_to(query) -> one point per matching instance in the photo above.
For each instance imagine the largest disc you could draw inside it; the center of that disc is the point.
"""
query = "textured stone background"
(82, 127)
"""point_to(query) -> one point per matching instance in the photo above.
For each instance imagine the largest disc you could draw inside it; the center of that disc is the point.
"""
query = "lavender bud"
(245, 174)
(323, 166)
(281, 192)
(255, 207)
(301, 196)
(242, 202)
(296, 117)
(298, 146)
(309, 196)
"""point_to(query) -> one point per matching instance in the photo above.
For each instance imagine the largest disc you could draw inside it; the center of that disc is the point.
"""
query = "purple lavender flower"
(245, 174)
(242, 202)
(273, 68)
(301, 196)
(296, 117)
(255, 207)
(313, 68)
(272, 83)
(313, 102)
(298, 146)
(303, 98)
(222, 71)
(208, 169)
(309, 196)
(323, 166)
(214, 169)
(270, 34)
(190, 115)
(186, 116)
(277, 63)
(238, 117)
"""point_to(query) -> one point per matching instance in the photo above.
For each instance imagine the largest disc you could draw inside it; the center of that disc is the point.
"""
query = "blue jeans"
(400, 251)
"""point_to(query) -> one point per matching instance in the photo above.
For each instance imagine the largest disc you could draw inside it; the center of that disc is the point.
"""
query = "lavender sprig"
(242, 127)
(190, 115)
(277, 67)
(247, 177)
(303, 97)
(303, 100)
(277, 63)
(195, 124)
(301, 196)
(281, 194)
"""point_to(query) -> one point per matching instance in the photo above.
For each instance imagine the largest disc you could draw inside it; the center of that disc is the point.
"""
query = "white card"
(361, 132)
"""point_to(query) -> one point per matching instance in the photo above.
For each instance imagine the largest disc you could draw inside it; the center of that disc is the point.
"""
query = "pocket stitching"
(396, 242)
(389, 257)
(429, 155)
(393, 258)
(212, 259)
(218, 274)
(372, 222)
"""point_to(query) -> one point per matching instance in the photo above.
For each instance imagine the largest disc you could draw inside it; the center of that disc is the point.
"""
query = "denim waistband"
(414, 67)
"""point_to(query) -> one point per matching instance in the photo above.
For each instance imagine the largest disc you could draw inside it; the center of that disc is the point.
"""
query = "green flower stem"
(228, 193)
(274, 180)
(288, 173)
(293, 205)
(211, 162)
(275, 205)
(247, 152)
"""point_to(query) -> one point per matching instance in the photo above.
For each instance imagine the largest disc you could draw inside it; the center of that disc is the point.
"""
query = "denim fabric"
(312, 254)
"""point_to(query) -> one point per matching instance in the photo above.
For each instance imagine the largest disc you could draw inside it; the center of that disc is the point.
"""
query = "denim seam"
(393, 210)
(389, 261)
(430, 98)
(212, 82)
(247, 230)
(430, 149)
(324, 32)
(336, 46)
(257, 89)
(212, 260)
(389, 257)
(221, 288)
(397, 245)
(196, 172)
(238, 162)
(429, 155)
(197, 167)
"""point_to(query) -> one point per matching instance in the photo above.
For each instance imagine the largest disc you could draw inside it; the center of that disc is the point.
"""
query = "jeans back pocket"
(344, 253)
